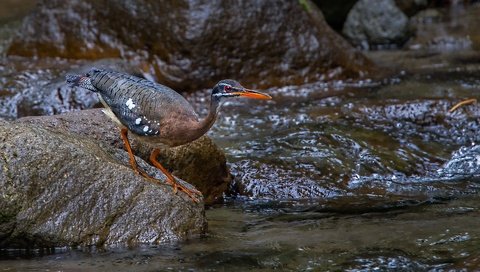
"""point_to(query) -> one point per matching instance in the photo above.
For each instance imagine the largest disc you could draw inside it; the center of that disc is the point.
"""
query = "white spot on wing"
(145, 128)
(137, 121)
(130, 104)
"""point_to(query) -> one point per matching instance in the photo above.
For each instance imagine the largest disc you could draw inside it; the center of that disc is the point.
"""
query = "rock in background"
(442, 30)
(37, 87)
(192, 44)
(373, 23)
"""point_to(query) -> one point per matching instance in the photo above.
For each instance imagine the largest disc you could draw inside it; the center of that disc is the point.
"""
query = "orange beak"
(252, 94)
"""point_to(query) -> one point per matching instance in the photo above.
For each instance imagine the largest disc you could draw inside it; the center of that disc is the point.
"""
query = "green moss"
(305, 5)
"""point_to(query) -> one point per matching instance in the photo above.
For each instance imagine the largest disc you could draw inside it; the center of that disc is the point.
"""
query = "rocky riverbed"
(357, 168)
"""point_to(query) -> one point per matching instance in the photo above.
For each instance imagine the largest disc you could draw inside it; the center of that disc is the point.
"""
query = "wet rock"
(435, 31)
(200, 163)
(327, 146)
(460, 175)
(263, 181)
(464, 164)
(191, 44)
(373, 23)
(59, 188)
(53, 98)
(428, 120)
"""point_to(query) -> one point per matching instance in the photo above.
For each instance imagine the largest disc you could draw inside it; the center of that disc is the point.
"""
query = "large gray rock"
(191, 44)
(376, 23)
(61, 188)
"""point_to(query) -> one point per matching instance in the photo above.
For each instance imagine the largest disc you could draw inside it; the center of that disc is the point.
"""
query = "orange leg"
(171, 178)
(133, 162)
(462, 103)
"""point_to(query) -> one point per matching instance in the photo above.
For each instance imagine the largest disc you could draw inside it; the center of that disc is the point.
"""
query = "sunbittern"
(155, 113)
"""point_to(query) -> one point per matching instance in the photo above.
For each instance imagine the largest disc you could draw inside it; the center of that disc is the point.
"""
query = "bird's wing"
(141, 105)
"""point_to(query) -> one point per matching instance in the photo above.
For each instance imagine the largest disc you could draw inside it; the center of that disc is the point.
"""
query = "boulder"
(372, 23)
(192, 44)
(61, 188)
(434, 32)
(200, 163)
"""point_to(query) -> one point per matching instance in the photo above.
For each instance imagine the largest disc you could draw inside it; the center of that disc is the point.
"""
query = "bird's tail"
(80, 81)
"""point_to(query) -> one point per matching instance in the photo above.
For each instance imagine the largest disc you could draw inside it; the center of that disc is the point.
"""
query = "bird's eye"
(227, 88)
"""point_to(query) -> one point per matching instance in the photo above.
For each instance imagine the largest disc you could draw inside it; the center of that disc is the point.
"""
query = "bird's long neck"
(205, 124)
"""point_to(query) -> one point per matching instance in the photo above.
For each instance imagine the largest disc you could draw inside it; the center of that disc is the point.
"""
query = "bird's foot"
(462, 103)
(192, 193)
(176, 186)
(153, 156)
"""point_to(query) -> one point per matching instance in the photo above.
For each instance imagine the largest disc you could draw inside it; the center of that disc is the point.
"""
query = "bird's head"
(228, 88)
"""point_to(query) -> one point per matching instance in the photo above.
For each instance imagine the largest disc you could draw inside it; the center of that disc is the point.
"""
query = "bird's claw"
(190, 192)
(176, 186)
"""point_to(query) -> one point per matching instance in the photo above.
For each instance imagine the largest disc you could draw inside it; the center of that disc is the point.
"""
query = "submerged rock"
(373, 23)
(200, 163)
(190, 44)
(460, 175)
(59, 188)
(348, 144)
(464, 164)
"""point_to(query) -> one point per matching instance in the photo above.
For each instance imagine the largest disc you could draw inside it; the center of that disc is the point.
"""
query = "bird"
(155, 113)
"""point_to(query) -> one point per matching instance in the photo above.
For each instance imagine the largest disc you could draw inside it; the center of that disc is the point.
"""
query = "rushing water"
(364, 157)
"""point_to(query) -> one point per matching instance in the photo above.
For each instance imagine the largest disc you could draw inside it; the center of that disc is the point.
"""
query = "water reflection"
(294, 236)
